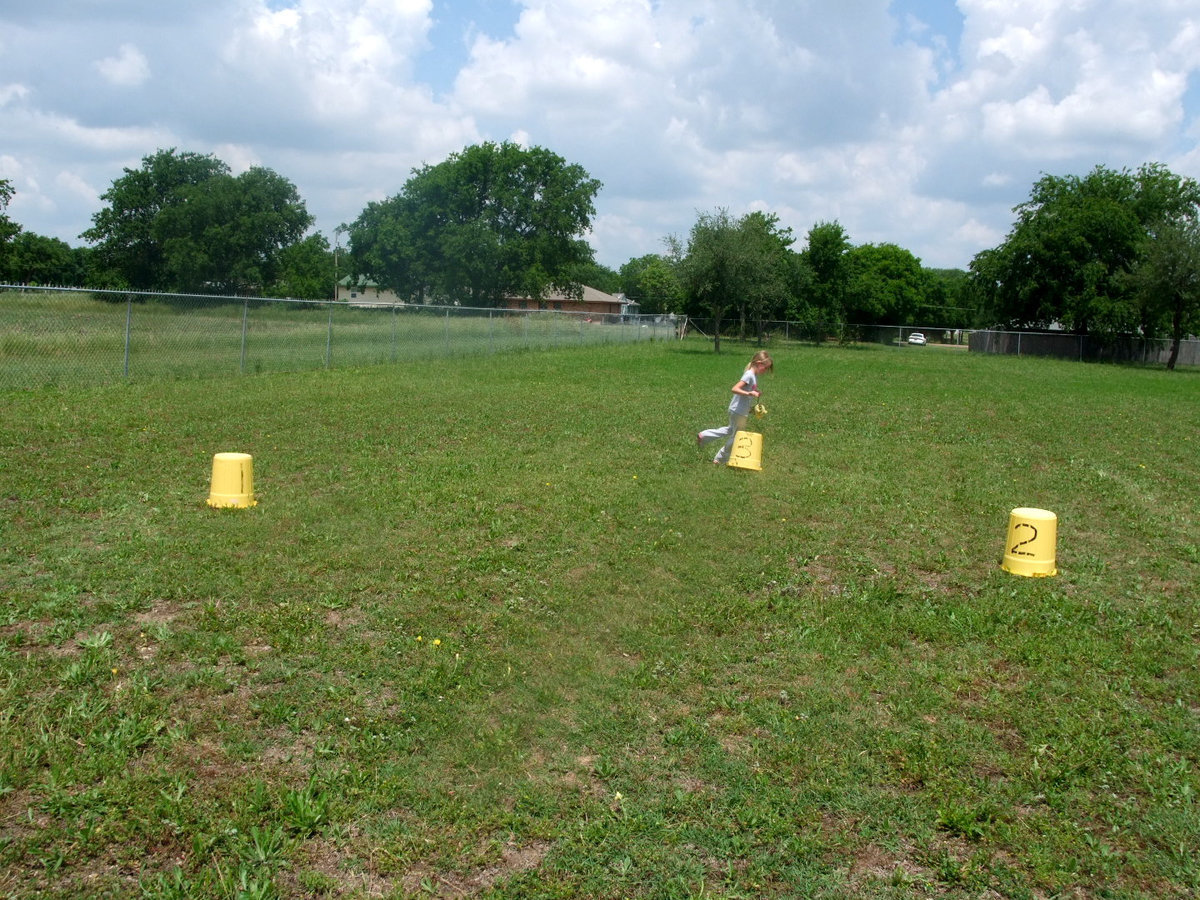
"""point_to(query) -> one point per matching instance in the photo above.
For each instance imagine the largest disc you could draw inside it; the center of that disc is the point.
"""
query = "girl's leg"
(711, 434)
(736, 424)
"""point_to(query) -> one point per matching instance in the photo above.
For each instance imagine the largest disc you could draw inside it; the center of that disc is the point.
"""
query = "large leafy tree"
(1167, 281)
(182, 222)
(386, 244)
(769, 262)
(228, 234)
(886, 285)
(492, 221)
(801, 296)
(826, 273)
(736, 266)
(711, 268)
(1075, 241)
(128, 249)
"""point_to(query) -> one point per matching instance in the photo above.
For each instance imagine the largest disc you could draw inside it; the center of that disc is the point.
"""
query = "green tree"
(768, 262)
(948, 300)
(594, 275)
(711, 270)
(827, 273)
(1166, 280)
(735, 266)
(653, 281)
(306, 270)
(885, 285)
(1069, 254)
(385, 244)
(8, 228)
(229, 232)
(37, 259)
(129, 251)
(631, 271)
(801, 294)
(492, 221)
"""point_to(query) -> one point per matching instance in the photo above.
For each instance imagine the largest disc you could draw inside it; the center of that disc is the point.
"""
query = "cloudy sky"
(915, 122)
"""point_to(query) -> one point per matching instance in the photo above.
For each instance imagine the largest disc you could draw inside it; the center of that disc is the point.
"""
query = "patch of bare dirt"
(513, 860)
(872, 863)
(163, 612)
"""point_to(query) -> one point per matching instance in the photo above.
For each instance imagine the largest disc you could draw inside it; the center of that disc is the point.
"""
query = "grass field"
(496, 628)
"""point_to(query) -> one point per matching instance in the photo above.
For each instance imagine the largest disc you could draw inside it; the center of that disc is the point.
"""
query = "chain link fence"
(1058, 344)
(819, 332)
(74, 336)
(1062, 345)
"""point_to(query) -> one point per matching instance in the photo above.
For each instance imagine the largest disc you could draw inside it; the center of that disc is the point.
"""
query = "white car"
(916, 338)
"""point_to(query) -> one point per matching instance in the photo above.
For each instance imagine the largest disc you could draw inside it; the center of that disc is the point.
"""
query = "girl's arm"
(740, 388)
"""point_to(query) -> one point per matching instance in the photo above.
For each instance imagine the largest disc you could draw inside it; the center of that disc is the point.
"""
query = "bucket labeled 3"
(747, 451)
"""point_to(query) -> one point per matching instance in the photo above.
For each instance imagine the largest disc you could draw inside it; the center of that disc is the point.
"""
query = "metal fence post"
(395, 320)
(329, 339)
(128, 328)
(245, 316)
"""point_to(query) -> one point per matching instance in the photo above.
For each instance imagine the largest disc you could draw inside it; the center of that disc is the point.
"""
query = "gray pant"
(729, 432)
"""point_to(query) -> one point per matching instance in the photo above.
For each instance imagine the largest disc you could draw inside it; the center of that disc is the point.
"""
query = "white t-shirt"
(741, 404)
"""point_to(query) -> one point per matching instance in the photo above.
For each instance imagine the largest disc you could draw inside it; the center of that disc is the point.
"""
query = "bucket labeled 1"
(1029, 547)
(747, 451)
(232, 480)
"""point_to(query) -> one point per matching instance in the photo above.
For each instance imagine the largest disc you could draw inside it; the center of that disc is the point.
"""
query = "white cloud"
(129, 68)
(860, 111)
(11, 92)
(10, 166)
(333, 58)
(237, 157)
(74, 184)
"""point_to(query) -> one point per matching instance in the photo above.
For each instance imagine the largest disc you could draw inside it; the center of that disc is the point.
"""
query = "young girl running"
(745, 392)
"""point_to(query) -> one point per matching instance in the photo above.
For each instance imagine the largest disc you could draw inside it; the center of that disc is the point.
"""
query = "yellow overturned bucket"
(747, 451)
(1030, 545)
(232, 480)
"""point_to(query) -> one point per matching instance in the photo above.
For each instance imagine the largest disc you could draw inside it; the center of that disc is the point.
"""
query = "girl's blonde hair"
(763, 357)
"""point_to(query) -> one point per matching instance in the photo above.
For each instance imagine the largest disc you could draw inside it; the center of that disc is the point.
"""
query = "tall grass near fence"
(507, 632)
(80, 337)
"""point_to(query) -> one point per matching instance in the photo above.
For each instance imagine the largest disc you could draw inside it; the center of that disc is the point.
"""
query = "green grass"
(496, 628)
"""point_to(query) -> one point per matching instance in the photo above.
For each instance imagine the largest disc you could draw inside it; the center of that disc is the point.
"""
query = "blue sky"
(454, 26)
(915, 122)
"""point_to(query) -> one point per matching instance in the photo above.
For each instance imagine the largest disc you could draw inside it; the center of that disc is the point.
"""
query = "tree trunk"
(1176, 335)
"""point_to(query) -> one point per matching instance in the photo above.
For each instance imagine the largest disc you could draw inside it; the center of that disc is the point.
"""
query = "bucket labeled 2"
(1029, 547)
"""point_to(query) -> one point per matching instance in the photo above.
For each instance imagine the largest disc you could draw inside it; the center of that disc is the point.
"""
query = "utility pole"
(337, 246)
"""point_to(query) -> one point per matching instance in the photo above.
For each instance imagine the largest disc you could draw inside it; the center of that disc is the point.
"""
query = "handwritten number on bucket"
(1029, 540)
